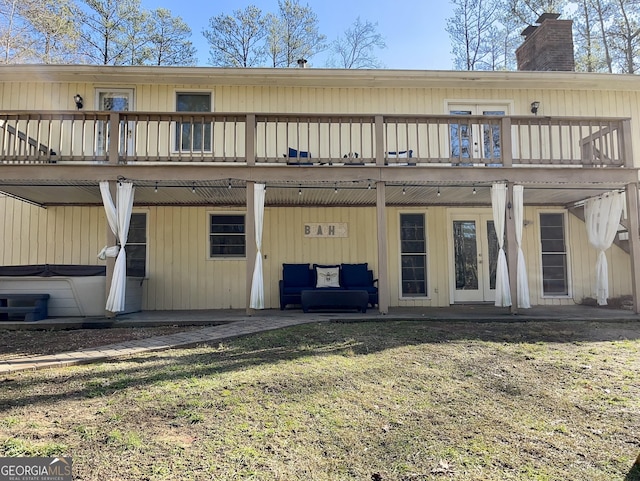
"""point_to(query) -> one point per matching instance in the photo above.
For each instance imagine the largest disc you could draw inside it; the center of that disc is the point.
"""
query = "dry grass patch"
(364, 401)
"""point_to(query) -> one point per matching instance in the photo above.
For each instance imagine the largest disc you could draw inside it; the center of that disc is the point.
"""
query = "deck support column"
(111, 240)
(250, 241)
(383, 269)
(512, 250)
(631, 191)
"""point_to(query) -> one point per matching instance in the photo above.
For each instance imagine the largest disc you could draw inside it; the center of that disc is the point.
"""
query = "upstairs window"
(193, 135)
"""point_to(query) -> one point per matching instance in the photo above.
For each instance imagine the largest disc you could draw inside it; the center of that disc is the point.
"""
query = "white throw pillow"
(328, 276)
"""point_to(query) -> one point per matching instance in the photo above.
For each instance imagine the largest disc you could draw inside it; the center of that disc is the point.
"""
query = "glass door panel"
(474, 256)
(115, 101)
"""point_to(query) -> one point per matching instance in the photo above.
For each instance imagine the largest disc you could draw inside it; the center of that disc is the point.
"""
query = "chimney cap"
(547, 16)
(302, 62)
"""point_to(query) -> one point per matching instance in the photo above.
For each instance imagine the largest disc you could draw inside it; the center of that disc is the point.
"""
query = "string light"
(438, 194)
(156, 188)
(193, 188)
(474, 190)
(229, 186)
(335, 191)
(404, 191)
(299, 190)
(369, 185)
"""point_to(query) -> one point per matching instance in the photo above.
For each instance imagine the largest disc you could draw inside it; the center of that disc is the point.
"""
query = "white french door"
(478, 142)
(473, 255)
(115, 100)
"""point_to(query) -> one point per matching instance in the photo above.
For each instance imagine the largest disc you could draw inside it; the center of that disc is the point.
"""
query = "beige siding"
(57, 235)
(150, 97)
(182, 276)
(582, 261)
(559, 102)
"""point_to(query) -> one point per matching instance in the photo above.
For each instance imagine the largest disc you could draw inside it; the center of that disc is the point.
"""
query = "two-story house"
(429, 177)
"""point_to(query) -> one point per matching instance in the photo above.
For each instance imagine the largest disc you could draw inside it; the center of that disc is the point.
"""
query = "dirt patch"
(17, 343)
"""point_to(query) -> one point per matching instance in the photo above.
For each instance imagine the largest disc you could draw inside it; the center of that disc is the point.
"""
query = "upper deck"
(327, 140)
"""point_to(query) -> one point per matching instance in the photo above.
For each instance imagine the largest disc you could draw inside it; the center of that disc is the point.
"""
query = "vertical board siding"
(57, 235)
(181, 276)
(41, 96)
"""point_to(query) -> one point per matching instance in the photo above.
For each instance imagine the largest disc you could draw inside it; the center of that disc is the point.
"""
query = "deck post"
(379, 135)
(383, 274)
(512, 250)
(625, 144)
(631, 191)
(250, 139)
(114, 138)
(250, 240)
(506, 146)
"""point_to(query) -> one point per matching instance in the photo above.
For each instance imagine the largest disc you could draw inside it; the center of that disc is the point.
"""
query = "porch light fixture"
(534, 107)
(77, 98)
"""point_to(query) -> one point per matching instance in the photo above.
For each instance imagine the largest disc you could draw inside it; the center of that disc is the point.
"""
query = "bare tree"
(169, 42)
(16, 42)
(528, 11)
(135, 39)
(355, 48)
(293, 34)
(104, 24)
(603, 14)
(587, 42)
(237, 41)
(53, 33)
(469, 29)
(625, 31)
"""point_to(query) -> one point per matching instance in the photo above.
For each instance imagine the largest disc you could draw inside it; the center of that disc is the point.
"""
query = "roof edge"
(317, 77)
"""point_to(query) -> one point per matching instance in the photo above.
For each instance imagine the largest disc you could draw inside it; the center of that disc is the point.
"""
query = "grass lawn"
(347, 401)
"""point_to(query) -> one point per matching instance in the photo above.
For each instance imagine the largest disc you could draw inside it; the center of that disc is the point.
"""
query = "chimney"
(548, 45)
(302, 63)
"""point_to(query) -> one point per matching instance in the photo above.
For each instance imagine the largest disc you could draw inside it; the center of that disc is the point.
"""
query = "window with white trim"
(413, 254)
(193, 135)
(137, 245)
(555, 280)
(227, 235)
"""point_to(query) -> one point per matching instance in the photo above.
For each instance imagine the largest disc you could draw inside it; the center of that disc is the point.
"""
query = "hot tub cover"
(52, 270)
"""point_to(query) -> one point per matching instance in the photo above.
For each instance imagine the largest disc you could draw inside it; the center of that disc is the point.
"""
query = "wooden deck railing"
(318, 139)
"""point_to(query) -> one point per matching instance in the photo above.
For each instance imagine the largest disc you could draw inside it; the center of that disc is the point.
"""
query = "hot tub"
(75, 290)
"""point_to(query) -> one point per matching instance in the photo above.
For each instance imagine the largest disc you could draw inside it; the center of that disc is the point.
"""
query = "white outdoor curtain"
(119, 217)
(518, 215)
(257, 284)
(602, 217)
(498, 204)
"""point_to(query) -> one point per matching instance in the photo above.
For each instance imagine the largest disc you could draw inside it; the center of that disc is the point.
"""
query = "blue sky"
(414, 30)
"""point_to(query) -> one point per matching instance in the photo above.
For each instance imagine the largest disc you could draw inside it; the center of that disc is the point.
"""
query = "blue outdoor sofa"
(302, 277)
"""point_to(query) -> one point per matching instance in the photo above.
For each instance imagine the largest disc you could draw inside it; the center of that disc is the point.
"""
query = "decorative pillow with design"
(328, 276)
